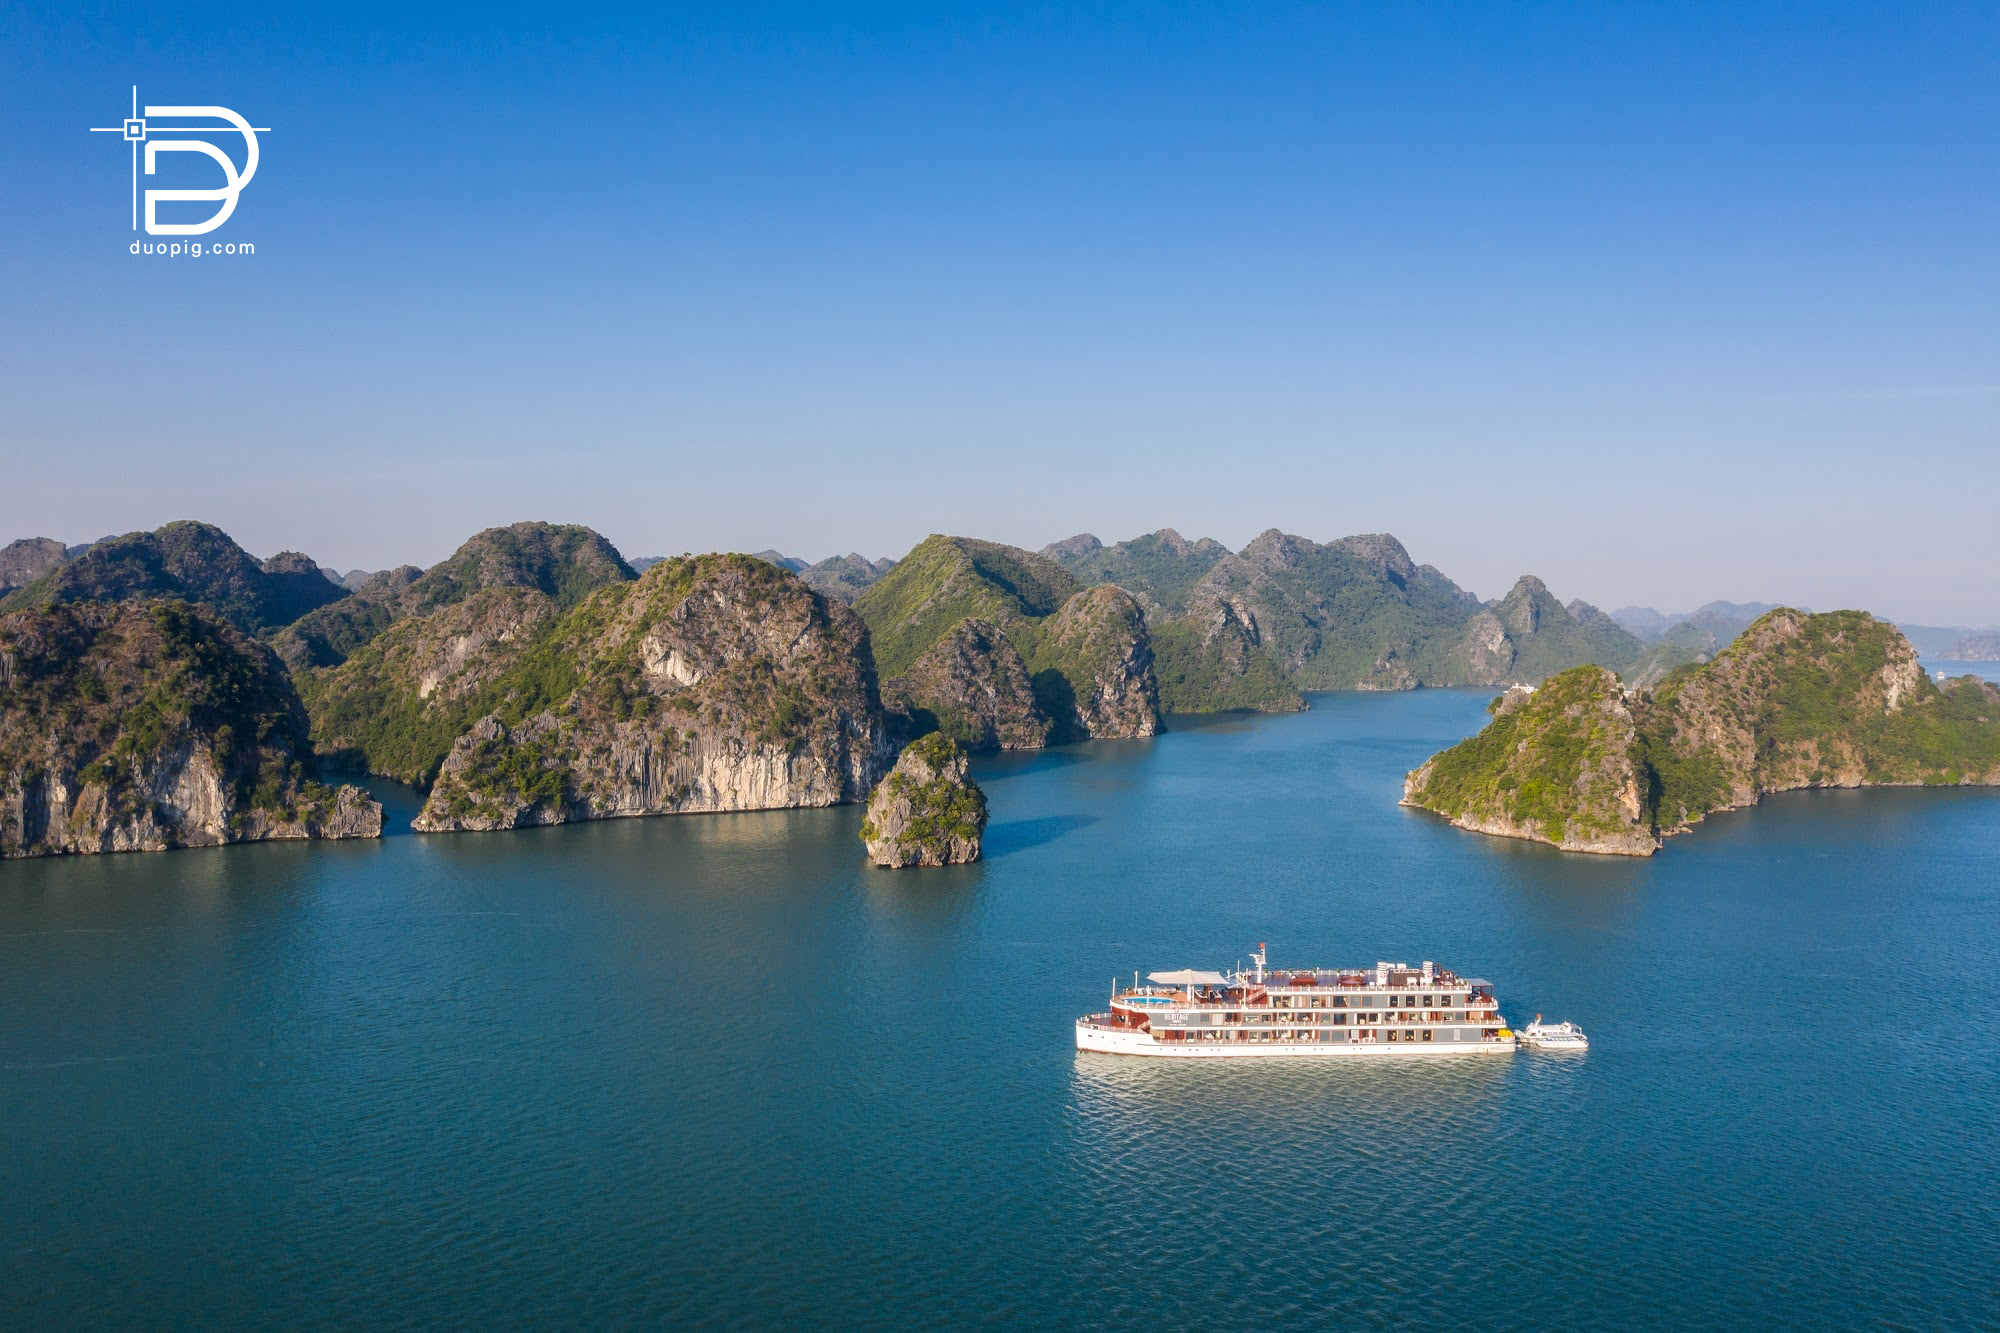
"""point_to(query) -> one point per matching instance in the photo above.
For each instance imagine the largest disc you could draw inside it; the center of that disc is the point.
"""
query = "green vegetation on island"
(1798, 700)
(1161, 569)
(532, 676)
(949, 579)
(928, 811)
(191, 562)
(1086, 651)
(1212, 664)
(562, 562)
(716, 682)
(149, 724)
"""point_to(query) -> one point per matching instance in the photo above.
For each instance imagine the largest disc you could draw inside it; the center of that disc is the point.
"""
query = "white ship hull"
(1116, 1041)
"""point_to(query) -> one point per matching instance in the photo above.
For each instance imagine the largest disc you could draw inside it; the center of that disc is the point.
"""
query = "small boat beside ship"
(1391, 1009)
(1542, 1036)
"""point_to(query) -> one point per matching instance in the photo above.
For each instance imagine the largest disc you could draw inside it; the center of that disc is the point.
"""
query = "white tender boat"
(1542, 1036)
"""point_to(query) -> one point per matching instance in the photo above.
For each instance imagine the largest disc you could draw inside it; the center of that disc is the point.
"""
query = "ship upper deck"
(1396, 978)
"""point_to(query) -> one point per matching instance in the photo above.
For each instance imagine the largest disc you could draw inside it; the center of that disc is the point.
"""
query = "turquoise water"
(713, 1070)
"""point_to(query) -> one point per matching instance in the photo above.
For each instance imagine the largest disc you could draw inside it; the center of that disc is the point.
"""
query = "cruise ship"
(1392, 1009)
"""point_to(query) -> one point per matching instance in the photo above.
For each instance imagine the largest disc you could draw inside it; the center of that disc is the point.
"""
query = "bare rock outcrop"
(31, 558)
(1094, 667)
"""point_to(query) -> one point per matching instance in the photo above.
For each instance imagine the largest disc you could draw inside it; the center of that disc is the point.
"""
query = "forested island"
(166, 689)
(1798, 700)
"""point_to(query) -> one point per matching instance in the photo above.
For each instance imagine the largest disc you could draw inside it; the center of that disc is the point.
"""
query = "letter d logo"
(140, 130)
(227, 194)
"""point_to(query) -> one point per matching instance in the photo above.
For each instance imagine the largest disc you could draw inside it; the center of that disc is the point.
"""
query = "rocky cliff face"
(1380, 551)
(928, 811)
(1546, 637)
(1485, 653)
(1798, 700)
(25, 561)
(144, 726)
(1087, 651)
(1094, 667)
(1212, 660)
(974, 687)
(713, 683)
(396, 705)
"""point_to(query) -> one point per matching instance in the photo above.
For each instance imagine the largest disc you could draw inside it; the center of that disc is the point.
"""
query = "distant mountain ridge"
(1981, 647)
(192, 562)
(562, 562)
(1354, 613)
(1723, 619)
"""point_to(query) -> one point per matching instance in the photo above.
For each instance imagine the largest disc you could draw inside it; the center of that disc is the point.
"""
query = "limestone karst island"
(1799, 700)
(166, 689)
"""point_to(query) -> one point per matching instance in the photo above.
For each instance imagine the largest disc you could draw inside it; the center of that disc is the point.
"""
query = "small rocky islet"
(165, 689)
(928, 811)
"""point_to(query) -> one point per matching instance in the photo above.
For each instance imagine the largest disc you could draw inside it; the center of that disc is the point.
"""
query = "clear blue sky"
(1662, 303)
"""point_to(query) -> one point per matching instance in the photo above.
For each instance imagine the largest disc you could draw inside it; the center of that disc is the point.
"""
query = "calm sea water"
(1984, 670)
(713, 1070)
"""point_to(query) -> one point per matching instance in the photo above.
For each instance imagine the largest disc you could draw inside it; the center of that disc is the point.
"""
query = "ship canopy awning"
(1188, 977)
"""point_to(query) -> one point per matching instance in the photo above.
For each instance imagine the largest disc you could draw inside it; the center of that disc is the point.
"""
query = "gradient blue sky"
(1662, 302)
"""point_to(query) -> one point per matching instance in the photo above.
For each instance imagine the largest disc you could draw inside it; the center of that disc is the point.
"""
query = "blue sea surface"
(1950, 667)
(714, 1071)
